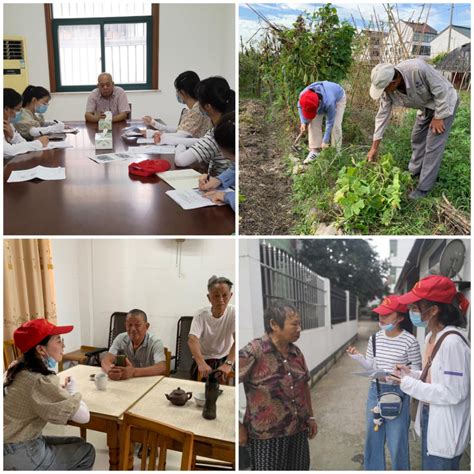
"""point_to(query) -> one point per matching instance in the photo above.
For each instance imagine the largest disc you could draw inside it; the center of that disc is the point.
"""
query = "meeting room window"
(85, 39)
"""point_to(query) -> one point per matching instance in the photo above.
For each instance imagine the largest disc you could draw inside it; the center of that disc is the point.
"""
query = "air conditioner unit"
(15, 71)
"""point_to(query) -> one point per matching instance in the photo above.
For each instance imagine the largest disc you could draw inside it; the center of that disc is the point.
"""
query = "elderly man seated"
(212, 335)
(144, 351)
(107, 97)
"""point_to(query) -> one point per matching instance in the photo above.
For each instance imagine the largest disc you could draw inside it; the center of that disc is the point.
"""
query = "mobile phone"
(120, 360)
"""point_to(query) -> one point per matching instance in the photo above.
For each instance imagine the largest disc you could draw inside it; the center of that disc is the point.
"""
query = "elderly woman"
(443, 387)
(32, 397)
(279, 416)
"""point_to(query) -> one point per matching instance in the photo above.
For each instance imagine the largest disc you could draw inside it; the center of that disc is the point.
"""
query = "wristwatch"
(228, 362)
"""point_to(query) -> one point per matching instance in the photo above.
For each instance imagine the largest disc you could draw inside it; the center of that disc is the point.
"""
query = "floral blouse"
(275, 388)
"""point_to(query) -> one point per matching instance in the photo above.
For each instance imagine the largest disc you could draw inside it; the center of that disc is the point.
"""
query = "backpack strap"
(424, 374)
(377, 383)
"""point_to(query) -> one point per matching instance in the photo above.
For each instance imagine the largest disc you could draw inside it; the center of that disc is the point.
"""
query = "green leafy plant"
(367, 193)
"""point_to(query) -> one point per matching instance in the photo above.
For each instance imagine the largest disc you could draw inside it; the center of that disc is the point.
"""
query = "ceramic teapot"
(178, 397)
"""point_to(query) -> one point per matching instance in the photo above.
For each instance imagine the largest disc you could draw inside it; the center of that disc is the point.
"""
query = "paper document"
(191, 198)
(373, 373)
(41, 172)
(71, 130)
(132, 132)
(142, 141)
(108, 157)
(53, 145)
(181, 179)
(152, 149)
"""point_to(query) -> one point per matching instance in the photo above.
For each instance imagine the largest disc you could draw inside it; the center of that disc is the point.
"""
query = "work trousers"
(428, 148)
(49, 453)
(315, 128)
(286, 453)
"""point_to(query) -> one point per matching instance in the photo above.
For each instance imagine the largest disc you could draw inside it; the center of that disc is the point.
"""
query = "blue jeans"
(430, 462)
(49, 453)
(394, 432)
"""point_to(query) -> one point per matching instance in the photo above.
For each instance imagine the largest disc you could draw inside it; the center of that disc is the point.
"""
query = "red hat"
(437, 288)
(309, 102)
(149, 167)
(29, 334)
(390, 304)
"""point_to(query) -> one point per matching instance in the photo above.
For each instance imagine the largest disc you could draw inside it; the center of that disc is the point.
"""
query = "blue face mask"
(415, 318)
(50, 362)
(203, 112)
(387, 327)
(179, 99)
(16, 117)
(41, 109)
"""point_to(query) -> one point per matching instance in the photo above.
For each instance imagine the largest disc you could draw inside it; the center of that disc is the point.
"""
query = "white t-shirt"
(215, 334)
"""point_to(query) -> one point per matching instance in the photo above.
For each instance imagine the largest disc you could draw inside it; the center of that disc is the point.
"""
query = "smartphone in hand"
(120, 360)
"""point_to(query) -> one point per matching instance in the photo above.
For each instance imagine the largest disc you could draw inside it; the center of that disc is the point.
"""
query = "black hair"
(187, 81)
(405, 323)
(33, 92)
(138, 312)
(28, 361)
(11, 98)
(214, 280)
(224, 133)
(277, 312)
(449, 313)
(216, 92)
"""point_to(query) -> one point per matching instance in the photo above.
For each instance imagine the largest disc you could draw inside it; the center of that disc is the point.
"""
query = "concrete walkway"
(339, 401)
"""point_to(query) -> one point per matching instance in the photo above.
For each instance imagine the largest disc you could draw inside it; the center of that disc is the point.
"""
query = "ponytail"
(33, 92)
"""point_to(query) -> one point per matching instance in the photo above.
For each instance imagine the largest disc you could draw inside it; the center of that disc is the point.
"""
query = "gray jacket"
(426, 88)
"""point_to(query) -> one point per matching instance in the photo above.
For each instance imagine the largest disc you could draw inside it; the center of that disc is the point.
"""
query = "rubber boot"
(212, 392)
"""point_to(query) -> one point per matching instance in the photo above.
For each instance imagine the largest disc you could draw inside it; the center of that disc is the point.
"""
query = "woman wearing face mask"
(224, 134)
(31, 123)
(216, 98)
(192, 124)
(443, 387)
(32, 397)
(13, 143)
(394, 344)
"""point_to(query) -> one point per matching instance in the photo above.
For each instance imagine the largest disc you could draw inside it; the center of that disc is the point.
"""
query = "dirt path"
(263, 179)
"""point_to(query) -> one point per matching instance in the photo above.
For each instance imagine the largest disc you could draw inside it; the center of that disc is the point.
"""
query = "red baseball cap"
(437, 288)
(29, 334)
(389, 305)
(309, 102)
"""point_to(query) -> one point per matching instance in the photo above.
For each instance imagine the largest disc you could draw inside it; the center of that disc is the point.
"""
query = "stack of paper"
(190, 199)
(181, 179)
(152, 149)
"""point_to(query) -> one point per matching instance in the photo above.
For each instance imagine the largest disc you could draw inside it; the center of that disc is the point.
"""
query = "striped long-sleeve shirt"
(389, 351)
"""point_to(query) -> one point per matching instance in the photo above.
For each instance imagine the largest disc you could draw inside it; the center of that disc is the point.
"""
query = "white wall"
(440, 43)
(94, 278)
(199, 37)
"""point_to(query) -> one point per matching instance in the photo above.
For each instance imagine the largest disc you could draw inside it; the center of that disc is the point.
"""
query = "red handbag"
(148, 167)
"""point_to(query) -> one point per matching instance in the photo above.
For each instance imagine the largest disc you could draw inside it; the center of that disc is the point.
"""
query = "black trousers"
(212, 363)
(287, 453)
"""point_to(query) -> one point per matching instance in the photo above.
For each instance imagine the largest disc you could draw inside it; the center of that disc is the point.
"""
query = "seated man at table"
(107, 97)
(144, 351)
(212, 335)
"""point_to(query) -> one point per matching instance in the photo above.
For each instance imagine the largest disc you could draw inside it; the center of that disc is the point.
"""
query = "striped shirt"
(389, 351)
(206, 150)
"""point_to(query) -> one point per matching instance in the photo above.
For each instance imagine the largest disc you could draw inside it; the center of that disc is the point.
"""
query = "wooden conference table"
(145, 396)
(100, 199)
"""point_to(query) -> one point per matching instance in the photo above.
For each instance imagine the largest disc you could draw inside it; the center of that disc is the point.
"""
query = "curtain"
(28, 283)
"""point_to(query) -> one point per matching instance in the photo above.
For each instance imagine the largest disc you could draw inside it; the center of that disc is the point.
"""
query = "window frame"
(152, 28)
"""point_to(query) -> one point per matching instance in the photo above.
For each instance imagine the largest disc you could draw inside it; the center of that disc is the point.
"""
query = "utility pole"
(450, 27)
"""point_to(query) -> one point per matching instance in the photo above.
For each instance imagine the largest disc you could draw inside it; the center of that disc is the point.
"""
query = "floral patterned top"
(194, 122)
(275, 388)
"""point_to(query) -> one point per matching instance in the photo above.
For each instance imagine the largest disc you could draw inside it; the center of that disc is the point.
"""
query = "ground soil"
(264, 181)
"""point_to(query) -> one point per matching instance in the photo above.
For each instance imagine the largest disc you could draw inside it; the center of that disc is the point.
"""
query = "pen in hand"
(209, 169)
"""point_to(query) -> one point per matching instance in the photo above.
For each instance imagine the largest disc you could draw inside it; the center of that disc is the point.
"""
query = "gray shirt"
(151, 351)
(426, 88)
(116, 103)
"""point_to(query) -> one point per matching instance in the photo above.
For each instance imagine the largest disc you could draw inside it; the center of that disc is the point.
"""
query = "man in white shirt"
(212, 335)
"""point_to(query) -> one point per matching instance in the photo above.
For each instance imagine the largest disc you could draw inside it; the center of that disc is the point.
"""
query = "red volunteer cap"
(148, 167)
(29, 334)
(309, 102)
(390, 304)
(437, 288)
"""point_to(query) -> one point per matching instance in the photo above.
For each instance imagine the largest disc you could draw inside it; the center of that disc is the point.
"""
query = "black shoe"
(417, 194)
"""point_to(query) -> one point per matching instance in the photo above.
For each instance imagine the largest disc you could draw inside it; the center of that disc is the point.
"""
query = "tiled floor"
(102, 453)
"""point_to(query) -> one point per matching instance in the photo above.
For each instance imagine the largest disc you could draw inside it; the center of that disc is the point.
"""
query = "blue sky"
(285, 14)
